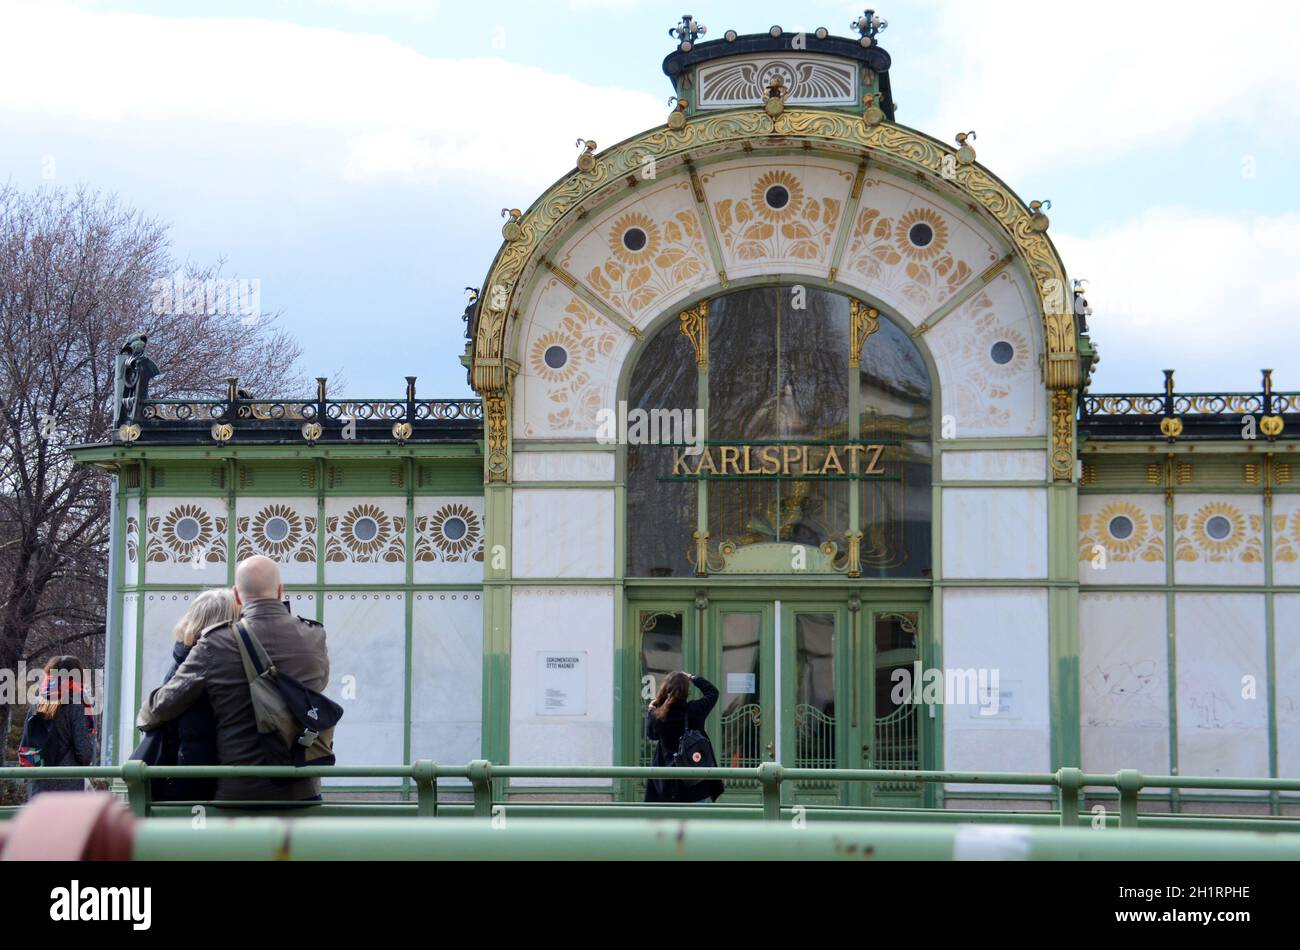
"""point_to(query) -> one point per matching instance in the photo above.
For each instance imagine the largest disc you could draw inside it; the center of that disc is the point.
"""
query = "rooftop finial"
(687, 32)
(868, 25)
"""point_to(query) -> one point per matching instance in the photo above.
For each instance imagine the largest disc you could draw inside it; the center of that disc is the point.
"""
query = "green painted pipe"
(522, 839)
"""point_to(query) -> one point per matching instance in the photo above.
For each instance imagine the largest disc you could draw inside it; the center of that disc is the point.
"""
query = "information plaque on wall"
(562, 683)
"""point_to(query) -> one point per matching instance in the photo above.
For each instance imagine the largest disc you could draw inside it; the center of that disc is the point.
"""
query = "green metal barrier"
(457, 839)
(771, 778)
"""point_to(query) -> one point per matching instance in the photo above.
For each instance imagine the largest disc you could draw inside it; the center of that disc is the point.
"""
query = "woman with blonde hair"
(191, 738)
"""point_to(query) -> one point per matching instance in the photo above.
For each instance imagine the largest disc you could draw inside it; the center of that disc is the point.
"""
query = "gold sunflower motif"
(285, 534)
(455, 530)
(770, 190)
(187, 530)
(912, 244)
(1109, 523)
(1019, 352)
(366, 530)
(544, 370)
(1204, 525)
(634, 239)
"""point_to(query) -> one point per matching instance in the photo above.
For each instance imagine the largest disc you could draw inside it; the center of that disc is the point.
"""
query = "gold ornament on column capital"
(863, 321)
(402, 431)
(694, 324)
(495, 415)
(1171, 427)
(1271, 426)
(311, 432)
(128, 432)
(1063, 435)
(222, 431)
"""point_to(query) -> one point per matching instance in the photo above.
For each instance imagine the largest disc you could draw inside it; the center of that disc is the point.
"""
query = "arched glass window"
(801, 446)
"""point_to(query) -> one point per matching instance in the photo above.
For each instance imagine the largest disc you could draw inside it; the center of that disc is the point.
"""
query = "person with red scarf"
(71, 734)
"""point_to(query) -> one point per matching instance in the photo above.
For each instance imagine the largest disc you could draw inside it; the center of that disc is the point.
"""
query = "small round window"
(1120, 527)
(777, 197)
(187, 529)
(276, 529)
(634, 239)
(556, 356)
(453, 529)
(365, 529)
(1002, 352)
(1218, 527)
(920, 234)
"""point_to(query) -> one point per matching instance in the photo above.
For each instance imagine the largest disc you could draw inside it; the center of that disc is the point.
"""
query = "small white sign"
(1000, 703)
(562, 683)
(740, 684)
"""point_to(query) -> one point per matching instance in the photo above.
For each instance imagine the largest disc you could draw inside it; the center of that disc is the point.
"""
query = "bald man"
(214, 668)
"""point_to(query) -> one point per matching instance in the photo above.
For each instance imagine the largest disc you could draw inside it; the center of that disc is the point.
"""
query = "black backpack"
(694, 751)
(39, 744)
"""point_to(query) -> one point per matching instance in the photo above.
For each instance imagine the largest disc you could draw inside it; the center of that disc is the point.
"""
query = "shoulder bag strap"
(251, 652)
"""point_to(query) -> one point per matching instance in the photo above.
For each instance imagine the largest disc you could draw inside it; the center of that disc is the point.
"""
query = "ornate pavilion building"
(784, 393)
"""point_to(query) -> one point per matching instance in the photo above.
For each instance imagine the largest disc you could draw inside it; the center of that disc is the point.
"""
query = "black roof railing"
(244, 419)
(1266, 415)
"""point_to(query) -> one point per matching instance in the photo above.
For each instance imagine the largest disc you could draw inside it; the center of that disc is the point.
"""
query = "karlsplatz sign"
(849, 460)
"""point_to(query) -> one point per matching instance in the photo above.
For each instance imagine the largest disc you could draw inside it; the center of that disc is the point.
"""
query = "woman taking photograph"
(63, 714)
(670, 715)
(191, 738)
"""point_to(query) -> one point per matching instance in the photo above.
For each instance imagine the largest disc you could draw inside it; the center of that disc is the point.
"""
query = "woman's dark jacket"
(71, 730)
(189, 739)
(667, 734)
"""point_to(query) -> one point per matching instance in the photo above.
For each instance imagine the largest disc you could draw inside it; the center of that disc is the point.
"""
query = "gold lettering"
(803, 460)
(874, 452)
(788, 454)
(679, 463)
(730, 456)
(832, 457)
(749, 469)
(706, 461)
(767, 454)
(854, 452)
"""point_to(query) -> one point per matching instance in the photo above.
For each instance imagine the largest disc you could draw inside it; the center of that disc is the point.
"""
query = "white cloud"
(1212, 296)
(387, 109)
(1047, 83)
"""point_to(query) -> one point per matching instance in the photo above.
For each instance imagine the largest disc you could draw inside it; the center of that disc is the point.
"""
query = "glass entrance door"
(826, 687)
(734, 652)
(890, 645)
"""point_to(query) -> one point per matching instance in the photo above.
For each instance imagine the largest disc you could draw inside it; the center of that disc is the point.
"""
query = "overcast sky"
(354, 155)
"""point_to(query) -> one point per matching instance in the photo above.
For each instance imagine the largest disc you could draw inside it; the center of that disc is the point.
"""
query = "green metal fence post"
(1129, 783)
(480, 776)
(1069, 781)
(135, 774)
(425, 774)
(769, 776)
